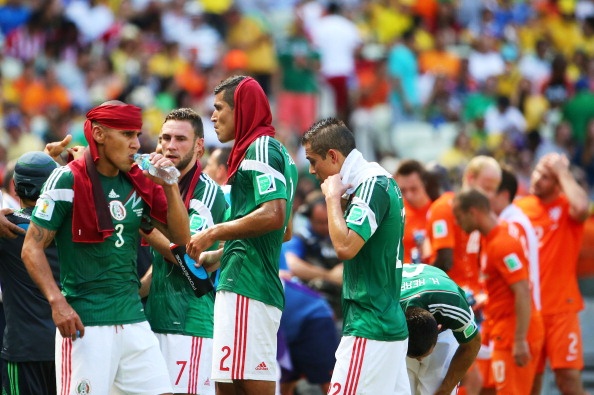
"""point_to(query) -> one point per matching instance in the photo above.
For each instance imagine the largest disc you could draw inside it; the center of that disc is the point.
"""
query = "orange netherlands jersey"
(444, 232)
(504, 262)
(415, 224)
(560, 240)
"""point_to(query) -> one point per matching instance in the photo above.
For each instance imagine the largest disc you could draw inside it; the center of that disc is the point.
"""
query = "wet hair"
(187, 114)
(422, 331)
(229, 86)
(327, 134)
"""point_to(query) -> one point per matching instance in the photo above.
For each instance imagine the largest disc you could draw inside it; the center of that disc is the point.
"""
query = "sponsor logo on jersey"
(83, 387)
(117, 210)
(113, 195)
(512, 262)
(440, 229)
(197, 223)
(469, 330)
(45, 208)
(356, 215)
(262, 366)
(265, 183)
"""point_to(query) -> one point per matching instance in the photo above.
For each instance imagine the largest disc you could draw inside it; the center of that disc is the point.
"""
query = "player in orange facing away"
(412, 178)
(504, 264)
(455, 251)
(557, 207)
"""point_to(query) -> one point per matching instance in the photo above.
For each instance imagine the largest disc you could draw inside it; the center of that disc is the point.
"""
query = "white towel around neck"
(355, 170)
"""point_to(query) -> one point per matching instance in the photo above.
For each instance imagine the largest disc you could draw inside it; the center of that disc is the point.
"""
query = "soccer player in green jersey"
(430, 289)
(366, 223)
(183, 322)
(250, 297)
(94, 209)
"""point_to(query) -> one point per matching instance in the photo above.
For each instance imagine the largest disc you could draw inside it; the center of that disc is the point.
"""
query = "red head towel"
(122, 117)
(252, 120)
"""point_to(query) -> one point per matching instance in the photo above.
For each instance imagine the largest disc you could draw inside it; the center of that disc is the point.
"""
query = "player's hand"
(67, 320)
(556, 163)
(521, 352)
(55, 149)
(333, 188)
(76, 151)
(199, 243)
(210, 260)
(158, 160)
(9, 230)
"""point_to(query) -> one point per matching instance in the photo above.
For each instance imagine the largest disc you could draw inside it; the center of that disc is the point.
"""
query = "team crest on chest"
(117, 210)
(83, 387)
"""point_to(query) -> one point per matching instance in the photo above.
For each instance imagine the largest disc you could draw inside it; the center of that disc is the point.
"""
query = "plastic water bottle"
(169, 174)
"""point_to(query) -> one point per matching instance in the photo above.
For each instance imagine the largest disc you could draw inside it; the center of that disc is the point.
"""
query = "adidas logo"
(207, 382)
(113, 195)
(262, 366)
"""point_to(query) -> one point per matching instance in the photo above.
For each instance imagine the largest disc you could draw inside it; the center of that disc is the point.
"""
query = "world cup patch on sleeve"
(356, 215)
(197, 223)
(469, 330)
(265, 183)
(512, 262)
(440, 229)
(45, 209)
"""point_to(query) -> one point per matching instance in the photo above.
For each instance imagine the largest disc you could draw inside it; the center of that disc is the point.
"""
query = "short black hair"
(228, 86)
(412, 166)
(508, 183)
(422, 331)
(187, 114)
(327, 134)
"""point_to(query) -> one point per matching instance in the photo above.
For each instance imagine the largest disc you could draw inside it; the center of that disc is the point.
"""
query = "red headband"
(121, 117)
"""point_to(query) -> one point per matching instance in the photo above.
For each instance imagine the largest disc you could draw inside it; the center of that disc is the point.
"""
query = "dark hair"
(327, 134)
(312, 199)
(187, 114)
(412, 166)
(469, 198)
(422, 331)
(223, 158)
(508, 183)
(229, 86)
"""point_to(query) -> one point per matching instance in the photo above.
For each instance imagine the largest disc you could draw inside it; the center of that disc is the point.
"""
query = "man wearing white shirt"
(338, 40)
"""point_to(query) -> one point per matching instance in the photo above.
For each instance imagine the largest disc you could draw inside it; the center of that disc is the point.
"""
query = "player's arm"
(33, 255)
(347, 243)
(577, 197)
(444, 259)
(159, 243)
(461, 362)
(177, 228)
(268, 217)
(8, 229)
(522, 300)
(145, 282)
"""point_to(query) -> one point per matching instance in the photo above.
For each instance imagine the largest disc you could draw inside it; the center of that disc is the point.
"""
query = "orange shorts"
(510, 378)
(563, 342)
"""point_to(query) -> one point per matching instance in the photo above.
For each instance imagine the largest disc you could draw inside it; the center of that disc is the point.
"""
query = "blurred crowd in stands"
(515, 77)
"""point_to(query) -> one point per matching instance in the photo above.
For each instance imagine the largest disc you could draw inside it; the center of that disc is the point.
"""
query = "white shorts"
(244, 344)
(427, 375)
(370, 367)
(122, 359)
(189, 361)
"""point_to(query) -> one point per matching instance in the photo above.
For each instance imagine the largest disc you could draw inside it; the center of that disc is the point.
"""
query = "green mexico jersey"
(99, 280)
(430, 288)
(372, 279)
(172, 306)
(249, 266)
